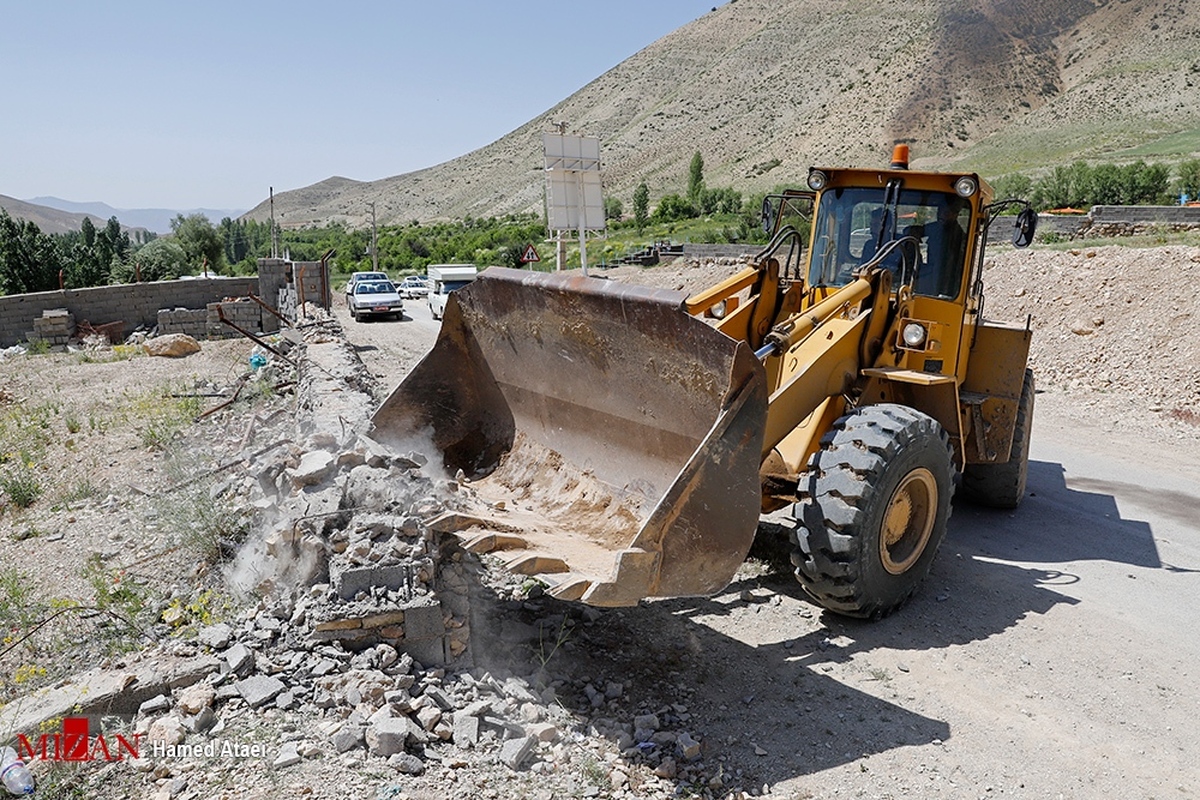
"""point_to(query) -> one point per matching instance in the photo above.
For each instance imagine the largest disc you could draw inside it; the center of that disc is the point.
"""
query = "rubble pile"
(361, 647)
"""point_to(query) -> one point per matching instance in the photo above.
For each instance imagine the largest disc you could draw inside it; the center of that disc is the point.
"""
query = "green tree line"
(1081, 185)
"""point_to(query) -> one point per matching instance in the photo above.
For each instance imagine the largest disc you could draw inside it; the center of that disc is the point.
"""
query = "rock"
(689, 748)
(544, 732)
(196, 697)
(429, 717)
(466, 730)
(240, 659)
(514, 751)
(387, 737)
(348, 738)
(666, 768)
(407, 763)
(258, 690)
(314, 467)
(216, 637)
(155, 705)
(173, 345)
(288, 756)
(166, 730)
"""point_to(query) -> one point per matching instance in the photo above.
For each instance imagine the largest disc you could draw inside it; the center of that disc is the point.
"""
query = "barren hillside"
(48, 220)
(764, 88)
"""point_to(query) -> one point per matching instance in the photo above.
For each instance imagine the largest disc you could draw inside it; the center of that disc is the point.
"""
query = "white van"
(444, 279)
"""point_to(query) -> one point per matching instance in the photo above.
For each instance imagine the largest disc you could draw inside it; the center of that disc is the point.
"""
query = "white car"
(414, 287)
(375, 299)
(356, 277)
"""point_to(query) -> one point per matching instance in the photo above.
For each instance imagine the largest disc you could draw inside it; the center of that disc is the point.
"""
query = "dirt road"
(1052, 653)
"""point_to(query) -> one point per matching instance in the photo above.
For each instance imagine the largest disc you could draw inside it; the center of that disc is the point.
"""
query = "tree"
(1189, 178)
(695, 180)
(1013, 185)
(613, 208)
(641, 206)
(720, 201)
(29, 259)
(1053, 190)
(1107, 185)
(672, 207)
(201, 242)
(161, 259)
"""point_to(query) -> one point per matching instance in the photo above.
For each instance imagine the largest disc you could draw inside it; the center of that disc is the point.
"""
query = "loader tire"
(875, 501)
(1003, 485)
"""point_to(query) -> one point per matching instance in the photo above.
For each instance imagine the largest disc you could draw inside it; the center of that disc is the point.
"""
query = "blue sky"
(145, 104)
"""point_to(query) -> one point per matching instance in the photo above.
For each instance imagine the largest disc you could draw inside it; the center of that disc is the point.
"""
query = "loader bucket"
(612, 442)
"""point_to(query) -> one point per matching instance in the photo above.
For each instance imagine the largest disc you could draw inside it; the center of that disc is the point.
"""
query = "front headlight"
(965, 187)
(914, 335)
(817, 180)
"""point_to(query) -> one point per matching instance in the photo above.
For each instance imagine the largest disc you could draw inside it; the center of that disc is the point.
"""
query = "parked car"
(375, 299)
(356, 277)
(414, 287)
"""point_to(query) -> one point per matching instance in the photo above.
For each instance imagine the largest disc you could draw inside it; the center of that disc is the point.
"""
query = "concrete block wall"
(312, 285)
(273, 274)
(132, 304)
(189, 321)
(55, 327)
(1166, 215)
(245, 313)
(286, 302)
(289, 283)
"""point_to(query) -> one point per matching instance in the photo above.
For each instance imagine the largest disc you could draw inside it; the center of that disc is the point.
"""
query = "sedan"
(414, 287)
(359, 277)
(375, 298)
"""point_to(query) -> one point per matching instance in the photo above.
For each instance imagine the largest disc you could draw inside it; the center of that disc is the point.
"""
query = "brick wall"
(133, 304)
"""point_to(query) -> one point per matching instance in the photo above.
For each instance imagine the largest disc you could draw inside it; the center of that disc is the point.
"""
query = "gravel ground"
(1035, 674)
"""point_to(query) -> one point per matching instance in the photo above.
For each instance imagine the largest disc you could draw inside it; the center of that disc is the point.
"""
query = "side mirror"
(1024, 228)
(769, 214)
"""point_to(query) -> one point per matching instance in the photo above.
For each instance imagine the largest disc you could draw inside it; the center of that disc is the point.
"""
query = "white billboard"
(574, 200)
(571, 152)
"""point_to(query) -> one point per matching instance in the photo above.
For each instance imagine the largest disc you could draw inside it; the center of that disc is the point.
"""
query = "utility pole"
(374, 241)
(274, 237)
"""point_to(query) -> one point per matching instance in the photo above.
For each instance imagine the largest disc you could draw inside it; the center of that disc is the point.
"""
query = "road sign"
(530, 255)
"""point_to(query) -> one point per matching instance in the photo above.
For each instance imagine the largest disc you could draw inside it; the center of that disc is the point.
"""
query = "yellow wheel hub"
(908, 521)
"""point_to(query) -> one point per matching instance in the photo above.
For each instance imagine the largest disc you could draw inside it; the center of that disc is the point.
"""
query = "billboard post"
(575, 200)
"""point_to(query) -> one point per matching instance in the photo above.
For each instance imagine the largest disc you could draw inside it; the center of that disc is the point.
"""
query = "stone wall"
(133, 304)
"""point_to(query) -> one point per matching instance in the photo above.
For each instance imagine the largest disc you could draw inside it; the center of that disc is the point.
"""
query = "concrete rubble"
(371, 639)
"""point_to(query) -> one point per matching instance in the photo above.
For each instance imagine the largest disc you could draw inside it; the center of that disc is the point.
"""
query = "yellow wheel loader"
(619, 442)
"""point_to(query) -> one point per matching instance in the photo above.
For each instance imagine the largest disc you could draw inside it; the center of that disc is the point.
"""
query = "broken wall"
(133, 303)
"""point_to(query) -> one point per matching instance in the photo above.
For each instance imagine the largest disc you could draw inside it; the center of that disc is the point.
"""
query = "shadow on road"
(779, 707)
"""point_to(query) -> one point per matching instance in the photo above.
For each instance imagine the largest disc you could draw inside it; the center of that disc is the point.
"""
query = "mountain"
(153, 219)
(48, 220)
(765, 88)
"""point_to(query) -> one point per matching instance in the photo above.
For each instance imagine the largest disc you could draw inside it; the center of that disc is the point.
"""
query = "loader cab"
(919, 235)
